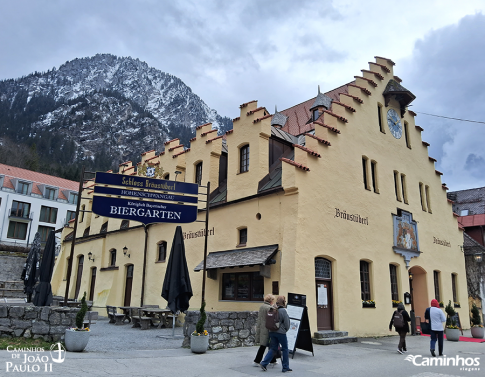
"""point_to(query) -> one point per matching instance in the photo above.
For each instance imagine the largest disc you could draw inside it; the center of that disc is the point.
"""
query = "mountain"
(98, 112)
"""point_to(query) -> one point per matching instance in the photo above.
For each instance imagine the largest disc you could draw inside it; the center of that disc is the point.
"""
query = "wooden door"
(323, 277)
(79, 275)
(93, 283)
(128, 285)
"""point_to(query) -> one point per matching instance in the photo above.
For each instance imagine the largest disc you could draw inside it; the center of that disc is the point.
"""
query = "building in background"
(335, 198)
(33, 202)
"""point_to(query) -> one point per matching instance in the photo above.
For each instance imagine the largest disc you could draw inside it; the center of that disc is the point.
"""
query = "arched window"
(394, 287)
(323, 268)
(166, 176)
(198, 173)
(112, 257)
(162, 251)
(365, 280)
(244, 158)
(82, 213)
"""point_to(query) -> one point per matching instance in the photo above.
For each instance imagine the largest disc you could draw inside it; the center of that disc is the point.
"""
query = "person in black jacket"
(402, 331)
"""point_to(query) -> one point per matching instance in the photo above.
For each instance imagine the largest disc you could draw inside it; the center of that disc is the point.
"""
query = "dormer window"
(23, 188)
(73, 198)
(316, 114)
(50, 193)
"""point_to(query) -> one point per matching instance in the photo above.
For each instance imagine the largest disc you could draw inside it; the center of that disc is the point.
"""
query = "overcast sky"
(277, 52)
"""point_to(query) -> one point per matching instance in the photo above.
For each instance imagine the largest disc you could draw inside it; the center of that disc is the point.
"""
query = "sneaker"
(287, 370)
(399, 351)
(432, 353)
(263, 367)
(404, 351)
(255, 364)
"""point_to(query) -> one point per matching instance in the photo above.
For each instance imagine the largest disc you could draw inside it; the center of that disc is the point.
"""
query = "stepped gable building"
(335, 198)
(33, 202)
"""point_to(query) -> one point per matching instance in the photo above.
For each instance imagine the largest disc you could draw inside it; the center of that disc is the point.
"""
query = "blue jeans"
(275, 340)
(439, 335)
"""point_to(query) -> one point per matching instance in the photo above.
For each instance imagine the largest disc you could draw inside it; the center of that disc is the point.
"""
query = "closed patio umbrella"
(30, 273)
(177, 289)
(43, 291)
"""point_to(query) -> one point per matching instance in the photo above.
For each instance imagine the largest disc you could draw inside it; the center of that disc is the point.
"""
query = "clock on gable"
(394, 123)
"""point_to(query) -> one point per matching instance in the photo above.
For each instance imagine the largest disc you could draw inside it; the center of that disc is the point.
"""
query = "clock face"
(394, 123)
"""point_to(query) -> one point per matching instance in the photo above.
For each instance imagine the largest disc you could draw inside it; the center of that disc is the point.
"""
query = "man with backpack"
(278, 323)
(400, 319)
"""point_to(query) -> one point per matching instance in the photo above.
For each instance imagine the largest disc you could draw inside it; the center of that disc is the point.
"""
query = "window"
(379, 117)
(23, 188)
(70, 215)
(17, 230)
(104, 228)
(244, 159)
(20, 209)
(453, 287)
(436, 278)
(162, 251)
(198, 173)
(364, 172)
(166, 176)
(396, 185)
(373, 170)
(81, 219)
(44, 232)
(406, 135)
(73, 198)
(125, 224)
(403, 186)
(50, 193)
(394, 291)
(316, 114)
(364, 281)
(428, 200)
(86, 231)
(48, 214)
(243, 236)
(112, 257)
(421, 196)
(323, 268)
(464, 212)
(243, 286)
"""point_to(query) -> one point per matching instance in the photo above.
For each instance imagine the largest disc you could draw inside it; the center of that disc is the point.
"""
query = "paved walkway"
(124, 351)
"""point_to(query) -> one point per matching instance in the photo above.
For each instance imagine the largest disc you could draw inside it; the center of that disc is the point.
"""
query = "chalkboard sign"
(456, 318)
(299, 335)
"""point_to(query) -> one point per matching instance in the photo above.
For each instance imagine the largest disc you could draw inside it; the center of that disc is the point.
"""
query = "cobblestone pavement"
(124, 351)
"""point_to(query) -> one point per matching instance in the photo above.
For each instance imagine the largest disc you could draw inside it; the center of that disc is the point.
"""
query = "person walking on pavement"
(262, 333)
(436, 317)
(400, 319)
(279, 337)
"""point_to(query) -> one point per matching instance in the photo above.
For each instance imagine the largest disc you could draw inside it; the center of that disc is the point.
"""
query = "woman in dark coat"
(262, 333)
(402, 331)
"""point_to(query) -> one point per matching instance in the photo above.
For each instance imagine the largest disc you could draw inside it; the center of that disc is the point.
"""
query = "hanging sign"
(149, 200)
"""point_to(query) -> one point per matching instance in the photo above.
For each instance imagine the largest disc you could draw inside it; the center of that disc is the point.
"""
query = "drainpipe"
(4, 216)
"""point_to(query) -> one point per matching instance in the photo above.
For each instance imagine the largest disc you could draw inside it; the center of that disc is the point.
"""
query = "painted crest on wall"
(150, 170)
(406, 240)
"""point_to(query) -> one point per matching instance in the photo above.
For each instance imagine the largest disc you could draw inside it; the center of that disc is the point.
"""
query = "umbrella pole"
(205, 241)
(173, 326)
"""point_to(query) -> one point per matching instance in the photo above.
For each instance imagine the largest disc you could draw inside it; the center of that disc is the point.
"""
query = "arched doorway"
(128, 285)
(419, 291)
(323, 282)
(79, 275)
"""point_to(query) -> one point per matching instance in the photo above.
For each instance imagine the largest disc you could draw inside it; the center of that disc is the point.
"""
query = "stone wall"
(226, 329)
(36, 322)
(11, 266)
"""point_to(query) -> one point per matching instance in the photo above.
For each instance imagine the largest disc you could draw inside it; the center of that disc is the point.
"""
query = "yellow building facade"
(335, 198)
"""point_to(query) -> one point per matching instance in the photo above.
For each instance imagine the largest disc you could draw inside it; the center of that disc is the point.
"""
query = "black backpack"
(398, 320)
(272, 320)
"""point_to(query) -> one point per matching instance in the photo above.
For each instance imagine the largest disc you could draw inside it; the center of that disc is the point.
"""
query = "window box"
(456, 305)
(396, 303)
(441, 304)
(368, 304)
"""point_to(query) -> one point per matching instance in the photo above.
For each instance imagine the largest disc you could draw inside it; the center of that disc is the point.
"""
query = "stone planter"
(76, 341)
(199, 344)
(453, 334)
(478, 332)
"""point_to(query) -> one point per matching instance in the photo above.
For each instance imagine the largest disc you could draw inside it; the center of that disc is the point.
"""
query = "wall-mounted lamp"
(410, 276)
(125, 250)
(177, 174)
(90, 256)
(407, 298)
(478, 257)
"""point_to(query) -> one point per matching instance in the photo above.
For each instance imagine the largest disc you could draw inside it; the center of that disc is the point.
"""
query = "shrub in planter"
(76, 338)
(476, 322)
(452, 331)
(199, 339)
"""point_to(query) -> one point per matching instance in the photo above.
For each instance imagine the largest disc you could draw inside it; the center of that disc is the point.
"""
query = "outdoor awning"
(251, 256)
